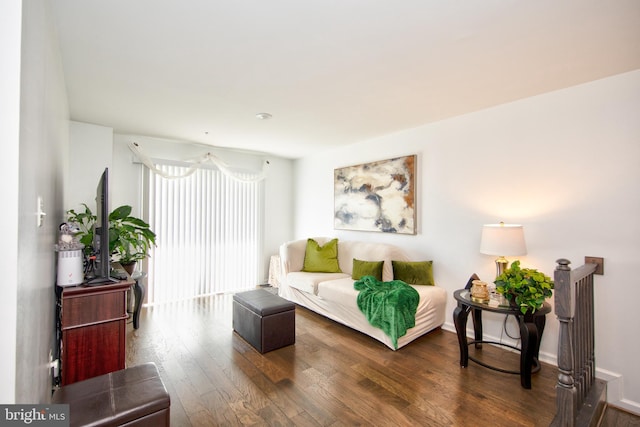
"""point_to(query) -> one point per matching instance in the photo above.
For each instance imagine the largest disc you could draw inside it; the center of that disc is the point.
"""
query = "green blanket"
(390, 306)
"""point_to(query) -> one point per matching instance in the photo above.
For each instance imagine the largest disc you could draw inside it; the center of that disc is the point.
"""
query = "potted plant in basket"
(525, 288)
(130, 238)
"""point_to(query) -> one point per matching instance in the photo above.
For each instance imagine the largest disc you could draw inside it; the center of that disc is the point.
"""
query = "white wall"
(43, 120)
(564, 164)
(90, 152)
(278, 207)
(10, 42)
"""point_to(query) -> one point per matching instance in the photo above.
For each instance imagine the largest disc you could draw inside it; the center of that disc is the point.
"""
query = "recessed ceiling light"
(263, 116)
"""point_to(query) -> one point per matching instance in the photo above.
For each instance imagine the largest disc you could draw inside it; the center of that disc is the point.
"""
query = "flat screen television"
(100, 244)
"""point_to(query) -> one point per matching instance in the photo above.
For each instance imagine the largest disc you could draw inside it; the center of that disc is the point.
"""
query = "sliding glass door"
(209, 234)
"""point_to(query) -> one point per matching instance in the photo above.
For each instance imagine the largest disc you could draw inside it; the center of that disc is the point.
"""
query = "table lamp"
(502, 240)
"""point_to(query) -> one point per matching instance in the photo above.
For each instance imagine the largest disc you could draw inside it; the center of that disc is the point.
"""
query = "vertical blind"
(209, 234)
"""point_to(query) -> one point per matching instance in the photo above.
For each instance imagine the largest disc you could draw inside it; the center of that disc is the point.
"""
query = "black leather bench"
(264, 320)
(134, 396)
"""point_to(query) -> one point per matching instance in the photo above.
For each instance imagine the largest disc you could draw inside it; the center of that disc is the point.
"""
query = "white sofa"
(333, 295)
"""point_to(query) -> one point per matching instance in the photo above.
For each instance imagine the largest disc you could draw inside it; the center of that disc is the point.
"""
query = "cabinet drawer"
(93, 350)
(82, 310)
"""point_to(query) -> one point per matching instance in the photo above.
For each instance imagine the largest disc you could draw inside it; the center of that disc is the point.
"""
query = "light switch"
(40, 211)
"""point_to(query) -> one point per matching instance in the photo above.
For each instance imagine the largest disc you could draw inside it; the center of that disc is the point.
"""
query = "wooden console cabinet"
(93, 330)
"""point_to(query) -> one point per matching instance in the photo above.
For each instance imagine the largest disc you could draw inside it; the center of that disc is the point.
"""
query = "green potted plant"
(130, 238)
(85, 222)
(525, 288)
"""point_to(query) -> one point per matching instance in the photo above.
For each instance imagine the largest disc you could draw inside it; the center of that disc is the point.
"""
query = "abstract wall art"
(377, 196)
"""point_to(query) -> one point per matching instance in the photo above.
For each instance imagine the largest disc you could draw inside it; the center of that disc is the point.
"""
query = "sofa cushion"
(413, 272)
(321, 259)
(339, 291)
(366, 268)
(308, 282)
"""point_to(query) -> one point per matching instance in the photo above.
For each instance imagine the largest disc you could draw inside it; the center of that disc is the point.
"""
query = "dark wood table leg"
(477, 327)
(530, 342)
(139, 292)
(540, 322)
(460, 315)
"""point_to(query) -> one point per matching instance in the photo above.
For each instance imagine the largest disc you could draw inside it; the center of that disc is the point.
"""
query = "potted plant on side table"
(525, 288)
(130, 238)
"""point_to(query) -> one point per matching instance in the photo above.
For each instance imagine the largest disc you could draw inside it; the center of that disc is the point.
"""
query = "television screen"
(101, 234)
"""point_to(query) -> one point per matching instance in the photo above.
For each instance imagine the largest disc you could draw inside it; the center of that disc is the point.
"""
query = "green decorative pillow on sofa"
(413, 272)
(321, 259)
(367, 268)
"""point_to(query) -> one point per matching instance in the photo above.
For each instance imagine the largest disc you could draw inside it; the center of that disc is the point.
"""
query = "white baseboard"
(542, 356)
(627, 405)
(449, 327)
(614, 384)
(615, 391)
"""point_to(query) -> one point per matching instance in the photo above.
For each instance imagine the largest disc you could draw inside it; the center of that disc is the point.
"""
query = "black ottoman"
(264, 320)
(134, 396)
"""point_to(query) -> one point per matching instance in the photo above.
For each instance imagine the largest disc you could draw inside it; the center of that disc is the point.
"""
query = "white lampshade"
(503, 240)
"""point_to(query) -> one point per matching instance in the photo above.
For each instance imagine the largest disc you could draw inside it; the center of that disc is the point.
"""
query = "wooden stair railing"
(581, 398)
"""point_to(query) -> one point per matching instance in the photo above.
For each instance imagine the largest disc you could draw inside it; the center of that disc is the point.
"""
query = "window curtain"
(209, 232)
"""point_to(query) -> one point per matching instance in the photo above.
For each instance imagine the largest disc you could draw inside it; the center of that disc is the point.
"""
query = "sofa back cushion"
(292, 255)
(369, 251)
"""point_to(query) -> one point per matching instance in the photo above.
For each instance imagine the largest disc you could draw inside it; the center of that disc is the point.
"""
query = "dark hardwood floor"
(615, 417)
(332, 376)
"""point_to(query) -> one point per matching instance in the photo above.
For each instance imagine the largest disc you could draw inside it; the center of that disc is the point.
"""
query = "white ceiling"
(331, 72)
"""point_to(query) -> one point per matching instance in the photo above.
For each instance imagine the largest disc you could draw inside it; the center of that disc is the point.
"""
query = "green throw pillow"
(413, 272)
(367, 268)
(321, 259)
